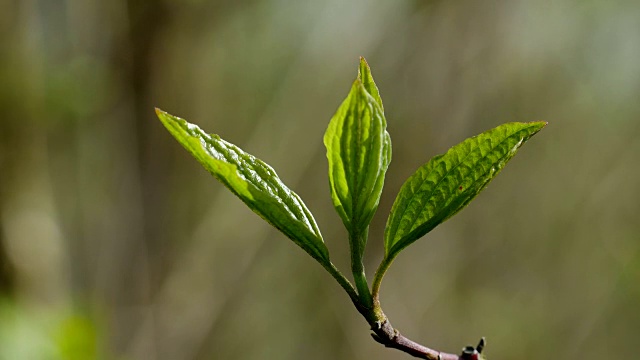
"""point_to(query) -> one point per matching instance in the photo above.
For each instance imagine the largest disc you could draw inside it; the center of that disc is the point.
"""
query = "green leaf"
(447, 183)
(253, 181)
(359, 152)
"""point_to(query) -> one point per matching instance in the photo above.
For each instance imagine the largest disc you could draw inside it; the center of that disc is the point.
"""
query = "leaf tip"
(164, 116)
(364, 67)
(170, 121)
(539, 124)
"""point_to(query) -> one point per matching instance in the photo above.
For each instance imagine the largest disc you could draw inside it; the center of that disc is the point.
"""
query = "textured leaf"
(359, 152)
(253, 181)
(447, 183)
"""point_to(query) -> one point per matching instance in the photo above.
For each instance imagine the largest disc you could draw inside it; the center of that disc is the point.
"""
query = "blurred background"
(116, 244)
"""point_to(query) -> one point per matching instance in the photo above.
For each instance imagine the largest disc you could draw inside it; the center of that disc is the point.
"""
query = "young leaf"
(359, 152)
(253, 181)
(448, 182)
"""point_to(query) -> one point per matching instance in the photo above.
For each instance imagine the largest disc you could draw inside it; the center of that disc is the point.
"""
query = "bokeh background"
(115, 244)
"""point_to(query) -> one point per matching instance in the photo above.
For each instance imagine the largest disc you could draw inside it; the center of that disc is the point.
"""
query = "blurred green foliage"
(99, 207)
(32, 334)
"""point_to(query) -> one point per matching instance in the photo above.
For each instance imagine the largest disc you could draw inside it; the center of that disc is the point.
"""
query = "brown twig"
(383, 331)
(386, 335)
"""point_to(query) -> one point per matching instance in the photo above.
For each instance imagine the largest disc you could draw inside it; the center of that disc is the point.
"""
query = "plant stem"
(357, 268)
(368, 304)
(363, 288)
(386, 335)
(343, 281)
(377, 279)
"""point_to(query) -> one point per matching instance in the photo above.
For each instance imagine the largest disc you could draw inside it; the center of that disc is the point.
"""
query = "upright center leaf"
(359, 152)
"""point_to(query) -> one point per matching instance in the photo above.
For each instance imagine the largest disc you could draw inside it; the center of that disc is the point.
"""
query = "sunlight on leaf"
(253, 181)
(447, 183)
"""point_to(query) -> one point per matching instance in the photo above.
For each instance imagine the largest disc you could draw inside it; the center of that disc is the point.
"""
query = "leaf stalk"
(357, 267)
(377, 279)
(343, 281)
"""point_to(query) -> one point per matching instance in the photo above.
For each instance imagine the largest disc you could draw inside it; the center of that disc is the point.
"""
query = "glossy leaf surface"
(448, 182)
(359, 152)
(253, 181)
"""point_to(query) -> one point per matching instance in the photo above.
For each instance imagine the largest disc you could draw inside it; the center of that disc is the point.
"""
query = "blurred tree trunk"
(6, 272)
